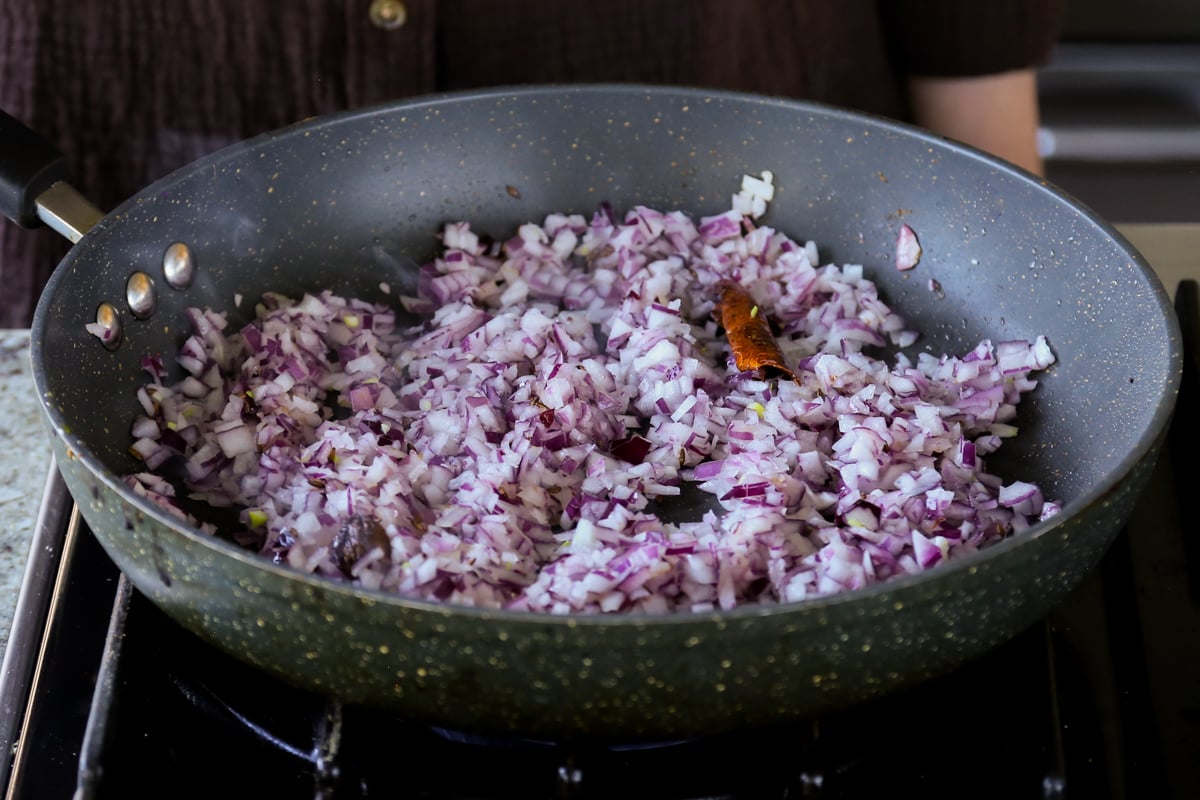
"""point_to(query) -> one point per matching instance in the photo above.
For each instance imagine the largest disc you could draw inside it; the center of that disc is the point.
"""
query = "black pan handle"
(33, 183)
(29, 165)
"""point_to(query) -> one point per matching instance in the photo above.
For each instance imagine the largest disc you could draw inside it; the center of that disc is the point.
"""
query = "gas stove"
(1100, 699)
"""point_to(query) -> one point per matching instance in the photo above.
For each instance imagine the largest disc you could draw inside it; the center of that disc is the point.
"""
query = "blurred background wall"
(1121, 109)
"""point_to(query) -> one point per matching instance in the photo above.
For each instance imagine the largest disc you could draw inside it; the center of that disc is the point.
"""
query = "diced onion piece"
(908, 249)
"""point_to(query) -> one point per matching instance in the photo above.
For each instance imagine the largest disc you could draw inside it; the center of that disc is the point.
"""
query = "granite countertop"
(24, 466)
(25, 460)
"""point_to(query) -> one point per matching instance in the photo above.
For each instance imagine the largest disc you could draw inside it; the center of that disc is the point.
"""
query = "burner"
(187, 717)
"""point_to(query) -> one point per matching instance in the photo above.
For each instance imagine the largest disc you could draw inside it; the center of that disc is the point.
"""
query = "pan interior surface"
(343, 203)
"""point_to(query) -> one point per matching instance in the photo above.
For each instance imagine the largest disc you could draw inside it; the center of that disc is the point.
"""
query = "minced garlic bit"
(755, 193)
(760, 187)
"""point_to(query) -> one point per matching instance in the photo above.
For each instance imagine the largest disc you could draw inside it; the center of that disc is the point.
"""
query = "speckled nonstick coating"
(330, 202)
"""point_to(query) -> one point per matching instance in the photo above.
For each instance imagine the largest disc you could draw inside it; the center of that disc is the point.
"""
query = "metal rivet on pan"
(139, 293)
(179, 268)
(108, 326)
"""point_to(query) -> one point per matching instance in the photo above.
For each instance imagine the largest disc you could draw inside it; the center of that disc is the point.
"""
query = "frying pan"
(341, 202)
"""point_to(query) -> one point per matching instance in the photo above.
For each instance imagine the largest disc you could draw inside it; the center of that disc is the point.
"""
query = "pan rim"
(894, 590)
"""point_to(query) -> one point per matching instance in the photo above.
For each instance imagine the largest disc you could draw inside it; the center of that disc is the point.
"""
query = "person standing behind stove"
(132, 90)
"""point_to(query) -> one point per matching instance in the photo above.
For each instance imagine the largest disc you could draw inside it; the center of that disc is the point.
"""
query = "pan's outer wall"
(648, 679)
(329, 203)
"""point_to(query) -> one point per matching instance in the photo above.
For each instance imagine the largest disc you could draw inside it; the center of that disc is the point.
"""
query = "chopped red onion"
(908, 249)
(515, 448)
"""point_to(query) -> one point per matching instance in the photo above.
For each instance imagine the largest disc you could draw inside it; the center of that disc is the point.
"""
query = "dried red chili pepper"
(749, 332)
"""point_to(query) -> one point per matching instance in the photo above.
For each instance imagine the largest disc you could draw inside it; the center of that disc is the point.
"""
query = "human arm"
(996, 113)
(970, 69)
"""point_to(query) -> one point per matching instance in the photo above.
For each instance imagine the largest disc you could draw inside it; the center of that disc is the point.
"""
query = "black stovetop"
(1101, 699)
